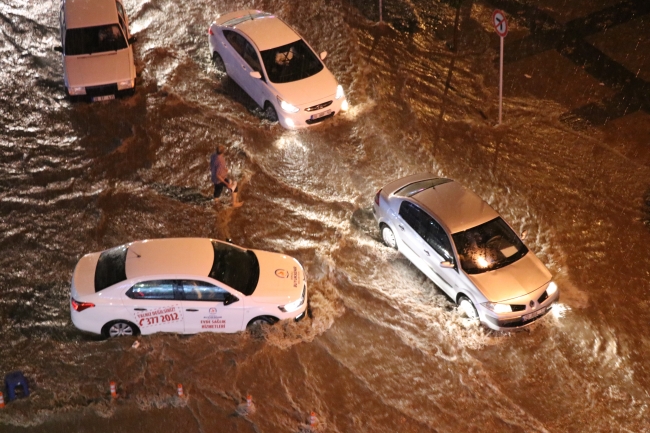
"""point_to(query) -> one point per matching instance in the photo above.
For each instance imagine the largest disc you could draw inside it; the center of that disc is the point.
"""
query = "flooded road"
(384, 350)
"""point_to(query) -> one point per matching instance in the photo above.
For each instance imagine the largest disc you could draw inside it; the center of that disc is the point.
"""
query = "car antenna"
(131, 250)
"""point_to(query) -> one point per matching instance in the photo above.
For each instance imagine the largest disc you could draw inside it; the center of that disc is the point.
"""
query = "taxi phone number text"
(154, 320)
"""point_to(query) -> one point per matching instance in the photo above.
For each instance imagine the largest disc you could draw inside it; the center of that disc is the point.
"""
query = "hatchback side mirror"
(323, 55)
(256, 75)
(230, 299)
(58, 49)
(524, 234)
(133, 40)
(447, 264)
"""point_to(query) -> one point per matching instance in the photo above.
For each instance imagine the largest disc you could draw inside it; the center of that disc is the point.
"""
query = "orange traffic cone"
(249, 400)
(2, 401)
(113, 390)
(180, 390)
(313, 421)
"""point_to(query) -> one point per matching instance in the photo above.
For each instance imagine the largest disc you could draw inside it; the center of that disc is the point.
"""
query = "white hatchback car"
(96, 47)
(276, 68)
(184, 285)
(464, 246)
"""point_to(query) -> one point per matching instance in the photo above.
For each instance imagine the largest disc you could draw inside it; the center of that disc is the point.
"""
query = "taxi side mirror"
(323, 55)
(230, 299)
(256, 74)
(447, 264)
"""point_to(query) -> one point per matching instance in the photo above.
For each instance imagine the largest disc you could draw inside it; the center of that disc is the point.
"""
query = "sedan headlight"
(497, 308)
(552, 288)
(293, 306)
(287, 107)
(77, 90)
(339, 92)
(126, 84)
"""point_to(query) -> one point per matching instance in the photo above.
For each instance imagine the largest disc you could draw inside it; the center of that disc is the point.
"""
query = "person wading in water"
(219, 176)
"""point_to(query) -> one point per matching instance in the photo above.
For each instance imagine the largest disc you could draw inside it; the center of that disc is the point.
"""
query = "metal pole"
(501, 81)
(380, 14)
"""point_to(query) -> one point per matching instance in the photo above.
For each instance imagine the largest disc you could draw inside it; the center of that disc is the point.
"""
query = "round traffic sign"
(499, 22)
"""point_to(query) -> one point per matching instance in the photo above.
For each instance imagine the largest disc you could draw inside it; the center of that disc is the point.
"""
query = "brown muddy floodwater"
(384, 350)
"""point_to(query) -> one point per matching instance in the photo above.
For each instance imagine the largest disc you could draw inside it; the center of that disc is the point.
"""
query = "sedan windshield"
(291, 62)
(235, 267)
(90, 40)
(111, 267)
(489, 246)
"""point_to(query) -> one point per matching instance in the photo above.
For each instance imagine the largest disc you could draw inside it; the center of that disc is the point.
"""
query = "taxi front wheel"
(261, 320)
(119, 328)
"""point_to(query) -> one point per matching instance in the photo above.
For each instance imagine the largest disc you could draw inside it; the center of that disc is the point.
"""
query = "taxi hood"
(83, 278)
(281, 278)
(99, 69)
(517, 279)
(308, 90)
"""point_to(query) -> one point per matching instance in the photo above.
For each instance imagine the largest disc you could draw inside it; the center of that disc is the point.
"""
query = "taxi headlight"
(77, 90)
(497, 308)
(551, 289)
(339, 92)
(287, 107)
(126, 84)
(293, 306)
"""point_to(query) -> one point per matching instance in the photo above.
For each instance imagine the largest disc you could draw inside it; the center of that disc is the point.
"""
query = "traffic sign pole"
(501, 81)
(501, 27)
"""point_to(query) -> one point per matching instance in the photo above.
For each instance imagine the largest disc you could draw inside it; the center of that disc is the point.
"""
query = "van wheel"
(217, 61)
(466, 306)
(269, 112)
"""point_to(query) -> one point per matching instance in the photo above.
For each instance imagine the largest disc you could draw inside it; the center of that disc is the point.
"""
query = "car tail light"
(80, 306)
(377, 197)
(210, 31)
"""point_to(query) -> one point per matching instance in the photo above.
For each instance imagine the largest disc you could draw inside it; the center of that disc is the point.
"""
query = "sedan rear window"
(111, 267)
(291, 62)
(90, 40)
(236, 267)
(489, 246)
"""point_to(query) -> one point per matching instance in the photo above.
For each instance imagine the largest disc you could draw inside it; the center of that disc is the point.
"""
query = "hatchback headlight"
(126, 84)
(77, 90)
(497, 308)
(552, 288)
(287, 107)
(293, 306)
(339, 92)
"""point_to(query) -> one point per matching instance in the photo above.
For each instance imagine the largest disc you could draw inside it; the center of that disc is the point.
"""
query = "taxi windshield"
(291, 62)
(489, 246)
(235, 267)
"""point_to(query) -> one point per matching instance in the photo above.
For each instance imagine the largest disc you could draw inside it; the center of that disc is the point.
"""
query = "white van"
(96, 48)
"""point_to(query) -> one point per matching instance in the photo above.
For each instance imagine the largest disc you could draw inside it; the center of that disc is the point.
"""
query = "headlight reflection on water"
(559, 310)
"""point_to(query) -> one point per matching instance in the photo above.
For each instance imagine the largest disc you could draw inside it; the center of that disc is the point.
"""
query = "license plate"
(103, 98)
(534, 314)
(321, 114)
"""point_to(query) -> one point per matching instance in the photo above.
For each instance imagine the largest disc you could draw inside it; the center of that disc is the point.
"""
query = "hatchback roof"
(191, 256)
(265, 30)
(455, 206)
(89, 13)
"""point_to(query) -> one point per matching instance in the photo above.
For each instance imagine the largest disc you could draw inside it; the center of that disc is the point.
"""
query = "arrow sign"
(499, 22)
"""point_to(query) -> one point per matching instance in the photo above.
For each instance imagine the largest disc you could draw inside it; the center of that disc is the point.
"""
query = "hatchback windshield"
(291, 62)
(89, 40)
(235, 267)
(489, 246)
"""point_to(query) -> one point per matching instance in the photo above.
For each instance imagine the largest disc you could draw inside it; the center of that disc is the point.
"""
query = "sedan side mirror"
(323, 55)
(447, 264)
(133, 40)
(524, 234)
(230, 299)
(58, 49)
(256, 74)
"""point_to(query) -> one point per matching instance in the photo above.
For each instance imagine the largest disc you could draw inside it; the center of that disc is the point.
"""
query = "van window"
(90, 40)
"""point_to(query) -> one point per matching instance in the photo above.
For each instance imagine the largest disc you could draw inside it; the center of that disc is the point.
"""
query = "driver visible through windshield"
(291, 62)
(489, 246)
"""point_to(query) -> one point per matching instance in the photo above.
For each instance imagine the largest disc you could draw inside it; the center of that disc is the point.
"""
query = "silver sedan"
(466, 248)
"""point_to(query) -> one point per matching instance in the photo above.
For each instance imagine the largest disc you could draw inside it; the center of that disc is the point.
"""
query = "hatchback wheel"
(466, 306)
(270, 113)
(217, 61)
(388, 237)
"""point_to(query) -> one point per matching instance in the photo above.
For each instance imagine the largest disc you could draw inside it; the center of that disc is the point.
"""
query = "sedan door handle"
(400, 226)
(191, 309)
(427, 252)
(140, 309)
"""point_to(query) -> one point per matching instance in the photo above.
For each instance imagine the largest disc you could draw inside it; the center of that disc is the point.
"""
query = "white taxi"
(184, 285)
(273, 64)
